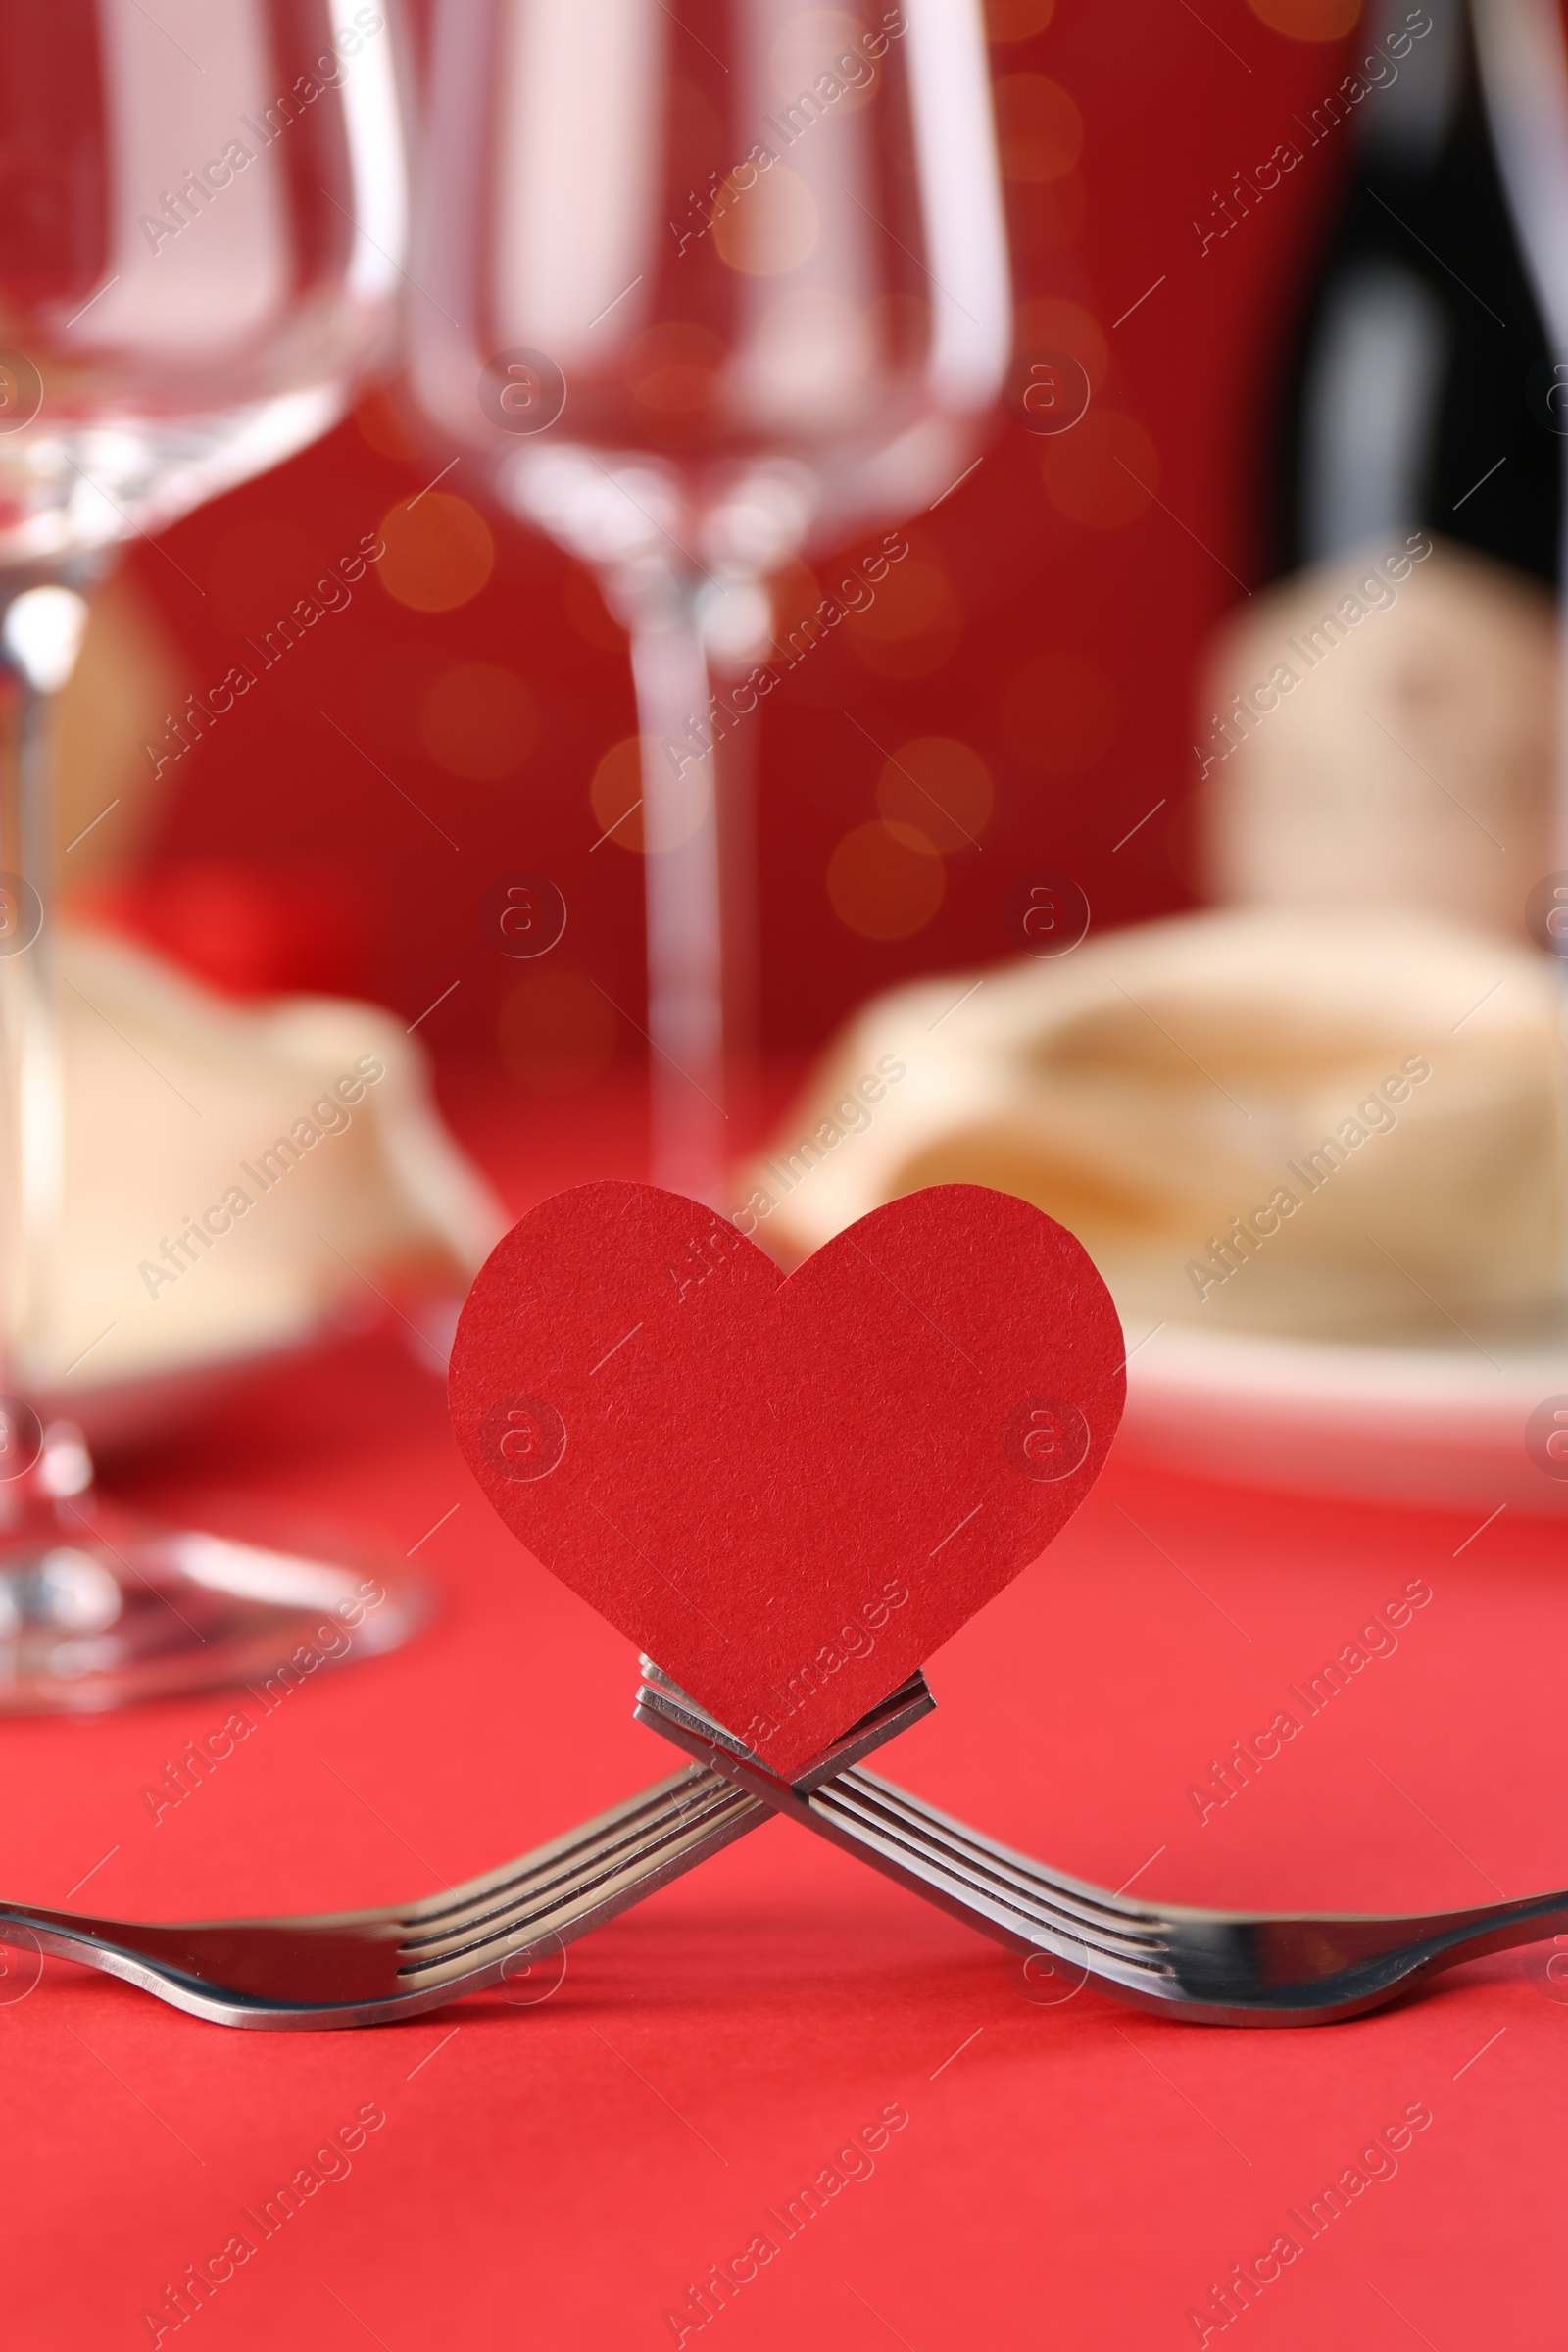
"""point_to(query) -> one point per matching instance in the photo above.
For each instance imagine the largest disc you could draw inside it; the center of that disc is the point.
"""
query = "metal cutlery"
(354, 1968)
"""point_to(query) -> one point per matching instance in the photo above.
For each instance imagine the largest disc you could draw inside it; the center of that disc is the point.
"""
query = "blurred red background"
(341, 827)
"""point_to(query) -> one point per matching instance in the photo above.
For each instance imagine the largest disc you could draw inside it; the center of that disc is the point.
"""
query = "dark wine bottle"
(1412, 394)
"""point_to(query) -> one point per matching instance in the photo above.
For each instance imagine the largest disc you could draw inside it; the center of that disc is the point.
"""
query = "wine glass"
(202, 210)
(704, 288)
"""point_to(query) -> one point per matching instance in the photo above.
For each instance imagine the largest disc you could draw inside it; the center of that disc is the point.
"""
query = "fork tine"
(585, 1862)
(1116, 1910)
(586, 1888)
(1024, 1912)
(1122, 1928)
(681, 1789)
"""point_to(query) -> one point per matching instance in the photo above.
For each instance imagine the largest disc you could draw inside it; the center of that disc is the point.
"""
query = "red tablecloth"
(563, 2174)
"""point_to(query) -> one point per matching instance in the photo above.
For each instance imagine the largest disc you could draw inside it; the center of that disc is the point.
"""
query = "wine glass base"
(109, 1610)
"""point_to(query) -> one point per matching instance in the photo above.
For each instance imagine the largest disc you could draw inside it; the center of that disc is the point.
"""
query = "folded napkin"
(1338, 1124)
(234, 1174)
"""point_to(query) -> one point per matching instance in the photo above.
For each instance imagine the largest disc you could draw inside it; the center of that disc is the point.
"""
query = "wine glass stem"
(683, 899)
(33, 1108)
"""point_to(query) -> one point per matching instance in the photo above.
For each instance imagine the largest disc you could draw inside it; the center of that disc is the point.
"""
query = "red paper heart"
(788, 1491)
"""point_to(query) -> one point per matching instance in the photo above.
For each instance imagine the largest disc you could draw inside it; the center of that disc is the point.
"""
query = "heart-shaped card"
(788, 1491)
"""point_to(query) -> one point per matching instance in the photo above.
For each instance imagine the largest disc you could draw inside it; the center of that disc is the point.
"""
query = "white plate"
(1440, 1426)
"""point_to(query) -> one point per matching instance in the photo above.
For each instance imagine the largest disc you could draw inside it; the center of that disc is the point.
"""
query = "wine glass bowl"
(787, 293)
(200, 215)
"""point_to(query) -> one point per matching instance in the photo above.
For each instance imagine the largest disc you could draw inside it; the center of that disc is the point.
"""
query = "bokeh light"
(1040, 133)
(767, 226)
(885, 880)
(1050, 323)
(439, 552)
(617, 795)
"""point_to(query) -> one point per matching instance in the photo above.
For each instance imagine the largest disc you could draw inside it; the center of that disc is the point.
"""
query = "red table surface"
(562, 2173)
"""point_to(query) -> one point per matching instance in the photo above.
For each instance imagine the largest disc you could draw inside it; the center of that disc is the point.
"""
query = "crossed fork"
(511, 1927)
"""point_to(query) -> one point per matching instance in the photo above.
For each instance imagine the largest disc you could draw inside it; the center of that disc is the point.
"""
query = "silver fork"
(1216, 1968)
(358, 1967)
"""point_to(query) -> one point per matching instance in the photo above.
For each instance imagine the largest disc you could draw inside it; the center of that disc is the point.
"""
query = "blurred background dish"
(1319, 1157)
(1337, 1126)
(315, 1118)
(1456, 1425)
